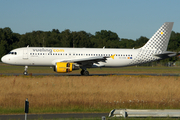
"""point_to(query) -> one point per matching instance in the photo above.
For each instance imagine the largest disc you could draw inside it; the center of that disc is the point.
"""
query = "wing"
(87, 62)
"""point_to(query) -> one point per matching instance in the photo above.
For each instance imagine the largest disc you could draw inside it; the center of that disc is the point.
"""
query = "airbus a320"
(65, 60)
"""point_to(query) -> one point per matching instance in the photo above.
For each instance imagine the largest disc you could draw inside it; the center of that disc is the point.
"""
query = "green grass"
(4, 68)
(107, 118)
(19, 69)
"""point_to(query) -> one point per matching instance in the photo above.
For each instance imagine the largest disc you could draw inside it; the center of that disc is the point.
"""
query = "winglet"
(112, 56)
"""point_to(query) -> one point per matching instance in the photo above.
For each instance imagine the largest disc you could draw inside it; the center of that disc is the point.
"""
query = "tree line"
(10, 40)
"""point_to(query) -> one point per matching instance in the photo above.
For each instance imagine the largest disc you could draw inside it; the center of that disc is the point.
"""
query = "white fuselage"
(68, 59)
(48, 56)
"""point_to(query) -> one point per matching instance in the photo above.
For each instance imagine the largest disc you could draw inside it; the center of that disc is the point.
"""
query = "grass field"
(51, 94)
(108, 119)
(114, 119)
(59, 94)
(4, 68)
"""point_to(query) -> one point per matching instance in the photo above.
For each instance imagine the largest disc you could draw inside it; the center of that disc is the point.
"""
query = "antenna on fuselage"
(104, 47)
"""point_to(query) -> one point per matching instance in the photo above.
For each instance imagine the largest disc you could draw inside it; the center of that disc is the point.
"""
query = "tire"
(86, 73)
(82, 72)
(25, 72)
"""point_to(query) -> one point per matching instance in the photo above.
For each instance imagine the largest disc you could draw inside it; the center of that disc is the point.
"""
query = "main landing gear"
(84, 72)
(25, 70)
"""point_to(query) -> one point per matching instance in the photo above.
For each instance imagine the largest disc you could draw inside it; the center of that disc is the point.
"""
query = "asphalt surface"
(53, 116)
(73, 74)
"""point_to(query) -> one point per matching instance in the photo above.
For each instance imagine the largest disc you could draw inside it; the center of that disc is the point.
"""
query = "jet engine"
(64, 67)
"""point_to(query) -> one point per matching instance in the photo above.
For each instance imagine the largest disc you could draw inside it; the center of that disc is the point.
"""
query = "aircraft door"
(25, 54)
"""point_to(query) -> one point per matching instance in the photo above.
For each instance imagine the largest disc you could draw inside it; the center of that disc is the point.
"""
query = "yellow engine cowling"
(63, 67)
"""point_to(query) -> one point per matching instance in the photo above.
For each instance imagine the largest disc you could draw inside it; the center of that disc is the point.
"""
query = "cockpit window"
(13, 53)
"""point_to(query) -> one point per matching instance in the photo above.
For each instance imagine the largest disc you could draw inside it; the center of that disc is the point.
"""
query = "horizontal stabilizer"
(166, 54)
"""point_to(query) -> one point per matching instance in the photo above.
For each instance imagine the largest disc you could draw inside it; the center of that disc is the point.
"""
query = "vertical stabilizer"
(157, 45)
(159, 41)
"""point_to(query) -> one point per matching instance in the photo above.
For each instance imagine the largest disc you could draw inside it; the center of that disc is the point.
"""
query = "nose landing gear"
(25, 70)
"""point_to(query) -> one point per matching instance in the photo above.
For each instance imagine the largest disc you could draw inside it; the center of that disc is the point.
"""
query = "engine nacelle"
(64, 67)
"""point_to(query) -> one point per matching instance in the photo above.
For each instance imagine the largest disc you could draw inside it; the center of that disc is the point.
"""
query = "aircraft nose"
(3, 59)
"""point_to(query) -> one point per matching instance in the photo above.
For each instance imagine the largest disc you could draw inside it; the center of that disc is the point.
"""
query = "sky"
(128, 18)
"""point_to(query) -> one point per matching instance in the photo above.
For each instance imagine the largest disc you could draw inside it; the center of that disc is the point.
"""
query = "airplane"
(65, 60)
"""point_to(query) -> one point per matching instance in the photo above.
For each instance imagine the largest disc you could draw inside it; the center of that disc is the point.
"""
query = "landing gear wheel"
(86, 73)
(82, 72)
(25, 72)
